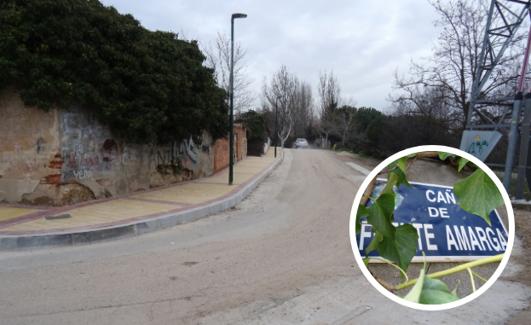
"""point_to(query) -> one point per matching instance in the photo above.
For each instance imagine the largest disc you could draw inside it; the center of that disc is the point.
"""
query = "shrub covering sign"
(445, 231)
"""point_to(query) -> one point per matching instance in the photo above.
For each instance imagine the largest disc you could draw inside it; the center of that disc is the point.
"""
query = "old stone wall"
(66, 156)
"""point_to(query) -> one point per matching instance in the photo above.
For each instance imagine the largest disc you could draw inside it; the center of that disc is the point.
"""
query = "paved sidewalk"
(135, 213)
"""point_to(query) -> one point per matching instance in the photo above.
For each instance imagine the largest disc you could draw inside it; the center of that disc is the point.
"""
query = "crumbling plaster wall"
(65, 156)
(28, 143)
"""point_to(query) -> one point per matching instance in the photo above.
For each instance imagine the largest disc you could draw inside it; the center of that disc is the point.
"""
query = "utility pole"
(483, 130)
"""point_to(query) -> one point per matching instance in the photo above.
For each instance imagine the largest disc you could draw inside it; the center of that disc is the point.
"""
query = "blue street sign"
(446, 232)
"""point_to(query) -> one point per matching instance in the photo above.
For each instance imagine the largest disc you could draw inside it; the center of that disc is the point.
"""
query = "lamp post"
(231, 96)
(276, 126)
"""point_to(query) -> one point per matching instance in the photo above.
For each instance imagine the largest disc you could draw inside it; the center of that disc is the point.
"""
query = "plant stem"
(471, 279)
(368, 192)
(479, 276)
(455, 269)
(404, 274)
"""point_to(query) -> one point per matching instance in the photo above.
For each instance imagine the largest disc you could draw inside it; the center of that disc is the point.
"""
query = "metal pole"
(276, 127)
(513, 133)
(524, 128)
(524, 148)
(231, 97)
(477, 78)
(513, 139)
(231, 103)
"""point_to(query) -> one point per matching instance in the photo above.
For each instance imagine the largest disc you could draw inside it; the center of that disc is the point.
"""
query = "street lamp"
(276, 125)
(231, 96)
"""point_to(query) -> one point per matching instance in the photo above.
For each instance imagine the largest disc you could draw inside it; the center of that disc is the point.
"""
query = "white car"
(301, 143)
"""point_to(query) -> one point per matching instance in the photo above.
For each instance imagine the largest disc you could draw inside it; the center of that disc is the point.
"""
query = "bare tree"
(302, 108)
(449, 74)
(218, 58)
(344, 117)
(280, 97)
(427, 100)
(292, 99)
(329, 95)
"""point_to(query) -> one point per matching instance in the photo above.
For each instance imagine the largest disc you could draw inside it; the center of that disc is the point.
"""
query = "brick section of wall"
(240, 141)
(221, 148)
(221, 154)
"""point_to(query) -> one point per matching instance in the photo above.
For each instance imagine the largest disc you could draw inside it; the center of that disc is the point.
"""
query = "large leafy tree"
(147, 86)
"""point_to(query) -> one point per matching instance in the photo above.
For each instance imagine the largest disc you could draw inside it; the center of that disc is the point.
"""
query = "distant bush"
(395, 133)
(380, 135)
(255, 124)
(147, 86)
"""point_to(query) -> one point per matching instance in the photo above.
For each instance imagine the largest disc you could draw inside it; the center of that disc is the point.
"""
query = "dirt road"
(280, 257)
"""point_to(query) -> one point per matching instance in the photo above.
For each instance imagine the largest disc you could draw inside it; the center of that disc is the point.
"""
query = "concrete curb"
(15, 242)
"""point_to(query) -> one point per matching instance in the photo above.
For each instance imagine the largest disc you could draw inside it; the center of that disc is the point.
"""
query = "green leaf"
(396, 177)
(362, 212)
(443, 155)
(430, 291)
(461, 163)
(402, 163)
(387, 249)
(386, 201)
(380, 214)
(478, 194)
(401, 247)
(374, 243)
(435, 291)
(414, 294)
(406, 238)
(400, 177)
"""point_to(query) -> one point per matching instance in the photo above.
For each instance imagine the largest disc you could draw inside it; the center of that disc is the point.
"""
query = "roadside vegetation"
(428, 105)
(148, 86)
(158, 87)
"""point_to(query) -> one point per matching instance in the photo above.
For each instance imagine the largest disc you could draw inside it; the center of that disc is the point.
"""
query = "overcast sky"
(363, 42)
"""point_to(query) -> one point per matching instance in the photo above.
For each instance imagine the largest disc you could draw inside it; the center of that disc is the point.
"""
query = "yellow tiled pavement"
(8, 213)
(94, 214)
(150, 202)
(222, 178)
(190, 193)
(243, 170)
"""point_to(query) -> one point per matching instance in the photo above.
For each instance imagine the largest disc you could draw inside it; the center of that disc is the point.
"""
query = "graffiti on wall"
(81, 149)
(89, 151)
(179, 157)
(176, 152)
(61, 147)
(82, 162)
(79, 164)
(40, 145)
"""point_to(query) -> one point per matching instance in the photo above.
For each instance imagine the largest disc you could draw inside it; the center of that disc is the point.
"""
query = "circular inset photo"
(428, 227)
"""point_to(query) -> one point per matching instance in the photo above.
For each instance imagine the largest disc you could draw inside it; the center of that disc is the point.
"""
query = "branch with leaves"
(397, 245)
